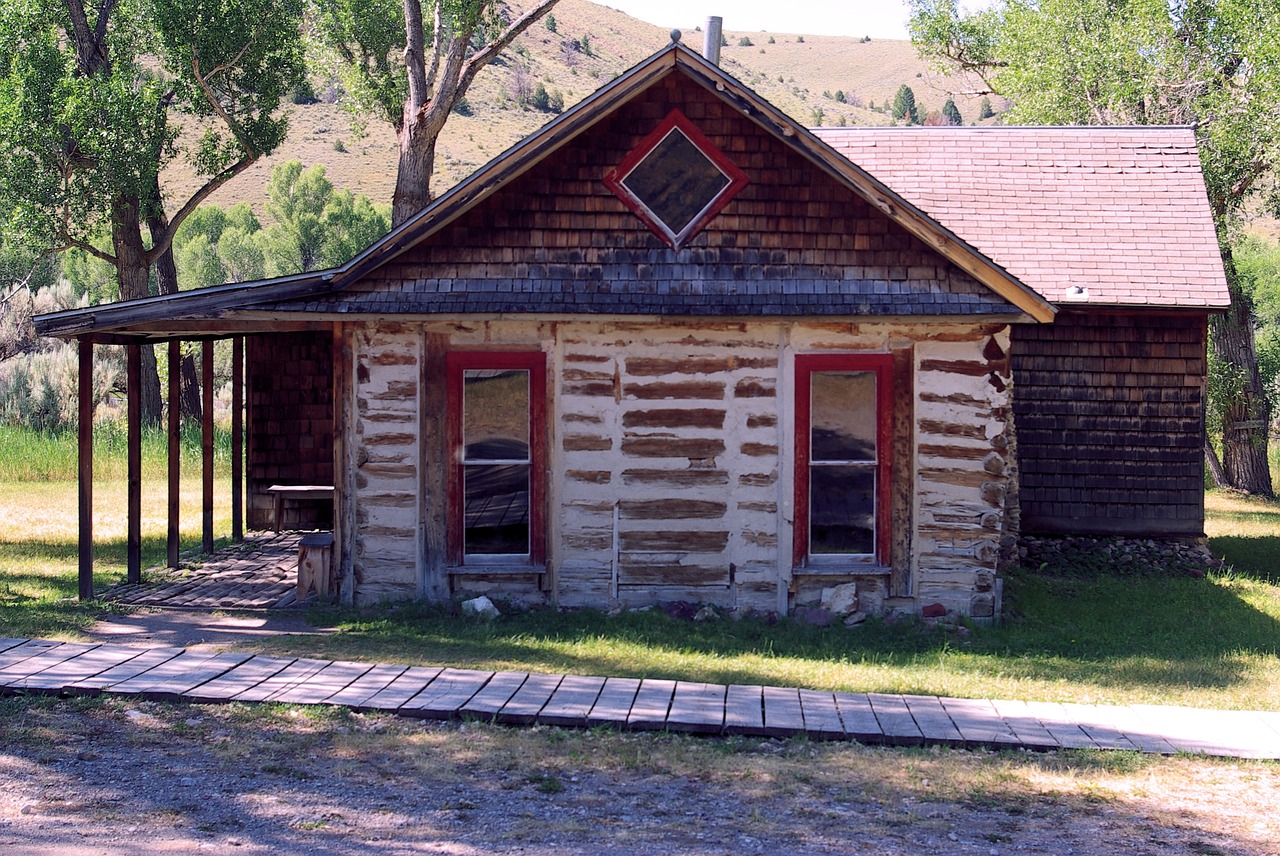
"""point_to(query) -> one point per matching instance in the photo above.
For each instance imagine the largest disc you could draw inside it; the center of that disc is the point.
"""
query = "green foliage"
(540, 99)
(745, 42)
(361, 43)
(799, 40)
(904, 106)
(951, 113)
(984, 108)
(584, 44)
(550, 23)
(840, 96)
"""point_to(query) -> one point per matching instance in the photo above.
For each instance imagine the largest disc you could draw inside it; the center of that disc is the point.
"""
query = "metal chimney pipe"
(711, 40)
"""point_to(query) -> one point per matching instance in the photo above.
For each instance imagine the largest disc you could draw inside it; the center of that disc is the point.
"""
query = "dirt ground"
(121, 776)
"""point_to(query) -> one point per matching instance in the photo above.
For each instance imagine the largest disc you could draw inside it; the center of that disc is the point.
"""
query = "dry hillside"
(793, 72)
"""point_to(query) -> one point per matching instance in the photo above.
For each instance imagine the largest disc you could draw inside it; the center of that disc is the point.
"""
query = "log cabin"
(675, 346)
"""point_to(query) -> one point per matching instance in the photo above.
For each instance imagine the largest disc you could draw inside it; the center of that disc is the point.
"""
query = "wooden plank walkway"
(36, 666)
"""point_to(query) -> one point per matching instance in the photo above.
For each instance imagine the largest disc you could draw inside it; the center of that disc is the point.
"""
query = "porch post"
(237, 438)
(86, 468)
(133, 416)
(206, 381)
(175, 447)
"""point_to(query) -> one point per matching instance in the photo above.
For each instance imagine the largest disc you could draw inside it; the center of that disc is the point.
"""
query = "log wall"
(290, 423)
(671, 453)
(1109, 409)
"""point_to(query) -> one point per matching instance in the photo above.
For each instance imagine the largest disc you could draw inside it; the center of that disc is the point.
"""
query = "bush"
(540, 100)
(303, 93)
(551, 23)
(339, 146)
(799, 40)
(984, 109)
(951, 113)
(745, 42)
(462, 107)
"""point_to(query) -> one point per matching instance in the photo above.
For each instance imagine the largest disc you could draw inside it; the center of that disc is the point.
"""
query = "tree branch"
(162, 242)
(231, 124)
(490, 51)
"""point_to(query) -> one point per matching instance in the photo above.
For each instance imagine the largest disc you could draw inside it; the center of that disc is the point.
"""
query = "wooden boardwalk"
(260, 572)
(35, 666)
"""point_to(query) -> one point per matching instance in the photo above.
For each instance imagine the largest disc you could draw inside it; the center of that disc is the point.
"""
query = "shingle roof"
(1119, 212)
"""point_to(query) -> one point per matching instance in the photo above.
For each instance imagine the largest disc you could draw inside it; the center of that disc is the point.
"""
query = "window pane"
(495, 414)
(496, 516)
(842, 416)
(842, 510)
(676, 181)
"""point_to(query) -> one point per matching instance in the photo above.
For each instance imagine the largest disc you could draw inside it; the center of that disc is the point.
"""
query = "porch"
(260, 572)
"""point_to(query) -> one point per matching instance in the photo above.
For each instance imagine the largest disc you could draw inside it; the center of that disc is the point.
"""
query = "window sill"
(487, 569)
(850, 569)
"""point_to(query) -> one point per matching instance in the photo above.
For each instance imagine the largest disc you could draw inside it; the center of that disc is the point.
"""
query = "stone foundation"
(1077, 556)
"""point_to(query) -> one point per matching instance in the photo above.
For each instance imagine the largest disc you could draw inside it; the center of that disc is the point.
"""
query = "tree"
(951, 113)
(904, 106)
(1211, 64)
(91, 95)
(984, 108)
(411, 69)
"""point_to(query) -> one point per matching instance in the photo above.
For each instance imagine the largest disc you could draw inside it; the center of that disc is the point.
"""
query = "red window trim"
(806, 365)
(535, 362)
(675, 119)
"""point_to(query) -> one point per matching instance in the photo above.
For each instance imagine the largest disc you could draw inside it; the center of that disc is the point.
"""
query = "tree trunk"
(1215, 466)
(132, 273)
(413, 177)
(1245, 419)
(167, 283)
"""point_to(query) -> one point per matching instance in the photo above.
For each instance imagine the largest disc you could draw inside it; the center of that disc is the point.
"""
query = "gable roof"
(1121, 213)
(944, 230)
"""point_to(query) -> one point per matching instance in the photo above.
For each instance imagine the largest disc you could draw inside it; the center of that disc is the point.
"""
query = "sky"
(880, 19)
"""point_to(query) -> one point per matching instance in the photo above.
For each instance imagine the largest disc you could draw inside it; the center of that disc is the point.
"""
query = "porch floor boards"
(43, 667)
(260, 572)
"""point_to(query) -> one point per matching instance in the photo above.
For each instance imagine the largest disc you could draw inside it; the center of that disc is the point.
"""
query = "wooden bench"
(281, 492)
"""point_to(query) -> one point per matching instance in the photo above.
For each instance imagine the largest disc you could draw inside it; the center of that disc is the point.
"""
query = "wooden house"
(675, 346)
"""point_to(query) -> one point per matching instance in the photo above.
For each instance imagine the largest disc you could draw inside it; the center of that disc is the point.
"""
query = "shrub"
(799, 40)
(462, 107)
(550, 22)
(984, 109)
(540, 100)
(303, 93)
(339, 146)
(745, 42)
(951, 113)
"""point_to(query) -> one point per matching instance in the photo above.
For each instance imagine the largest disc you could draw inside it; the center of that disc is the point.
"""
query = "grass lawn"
(1209, 643)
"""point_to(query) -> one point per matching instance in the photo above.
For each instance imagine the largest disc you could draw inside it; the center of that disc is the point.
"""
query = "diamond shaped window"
(676, 180)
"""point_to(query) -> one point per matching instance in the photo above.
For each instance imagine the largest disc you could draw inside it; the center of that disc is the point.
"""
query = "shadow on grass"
(1255, 556)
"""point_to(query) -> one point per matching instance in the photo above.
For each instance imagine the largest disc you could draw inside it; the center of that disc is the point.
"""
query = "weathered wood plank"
(978, 723)
(783, 715)
(821, 717)
(652, 701)
(248, 674)
(529, 700)
(1054, 718)
(367, 685)
(11, 642)
(614, 702)
(1023, 723)
(333, 678)
(403, 687)
(1132, 724)
(25, 651)
(16, 675)
(55, 679)
(149, 659)
(168, 681)
(933, 720)
(744, 709)
(445, 696)
(1092, 720)
(486, 703)
(697, 708)
(572, 701)
(896, 722)
(283, 681)
(859, 719)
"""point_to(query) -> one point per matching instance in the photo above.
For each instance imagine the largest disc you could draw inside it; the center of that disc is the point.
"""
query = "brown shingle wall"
(290, 425)
(1109, 413)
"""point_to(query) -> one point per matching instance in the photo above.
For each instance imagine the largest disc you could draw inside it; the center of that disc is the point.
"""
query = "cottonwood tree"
(90, 100)
(1210, 64)
(411, 63)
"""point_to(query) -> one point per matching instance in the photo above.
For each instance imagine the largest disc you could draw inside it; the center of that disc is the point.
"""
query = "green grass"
(1090, 638)
(33, 456)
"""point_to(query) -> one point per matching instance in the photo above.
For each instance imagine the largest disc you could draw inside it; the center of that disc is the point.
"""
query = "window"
(843, 446)
(676, 180)
(497, 442)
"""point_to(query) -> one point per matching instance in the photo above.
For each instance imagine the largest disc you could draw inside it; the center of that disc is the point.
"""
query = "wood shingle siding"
(1109, 413)
(290, 424)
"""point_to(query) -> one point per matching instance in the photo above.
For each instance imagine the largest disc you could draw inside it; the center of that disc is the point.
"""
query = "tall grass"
(35, 456)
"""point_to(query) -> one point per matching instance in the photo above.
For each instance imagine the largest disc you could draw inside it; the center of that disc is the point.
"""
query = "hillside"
(793, 72)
